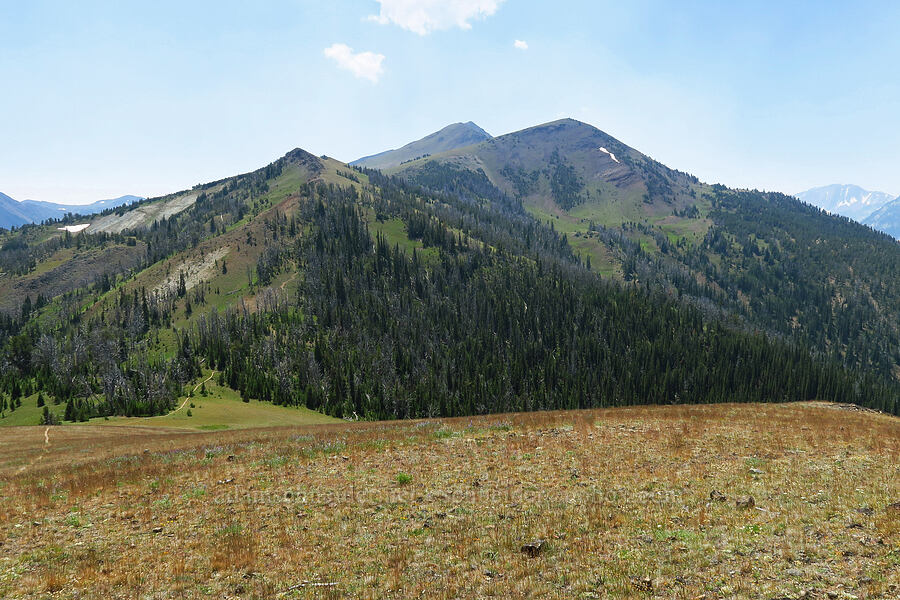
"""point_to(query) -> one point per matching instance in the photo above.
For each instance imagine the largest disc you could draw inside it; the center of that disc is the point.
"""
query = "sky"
(105, 98)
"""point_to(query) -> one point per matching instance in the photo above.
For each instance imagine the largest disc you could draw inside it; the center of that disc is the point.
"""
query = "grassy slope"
(29, 413)
(441, 509)
(222, 408)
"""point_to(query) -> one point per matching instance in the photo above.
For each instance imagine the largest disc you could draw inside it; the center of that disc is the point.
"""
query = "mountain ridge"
(467, 283)
(455, 135)
(886, 218)
(17, 213)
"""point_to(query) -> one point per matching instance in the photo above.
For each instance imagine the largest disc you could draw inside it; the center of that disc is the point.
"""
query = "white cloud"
(364, 65)
(425, 16)
(520, 45)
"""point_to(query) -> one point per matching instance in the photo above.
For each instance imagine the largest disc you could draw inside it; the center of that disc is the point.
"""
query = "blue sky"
(102, 99)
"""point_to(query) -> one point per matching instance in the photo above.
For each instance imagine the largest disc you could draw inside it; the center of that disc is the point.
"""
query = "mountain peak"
(451, 137)
(847, 200)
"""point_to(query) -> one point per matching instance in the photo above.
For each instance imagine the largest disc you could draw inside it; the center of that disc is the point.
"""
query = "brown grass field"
(620, 503)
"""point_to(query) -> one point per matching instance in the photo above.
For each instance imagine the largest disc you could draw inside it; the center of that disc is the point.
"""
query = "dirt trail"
(287, 281)
(41, 455)
(196, 387)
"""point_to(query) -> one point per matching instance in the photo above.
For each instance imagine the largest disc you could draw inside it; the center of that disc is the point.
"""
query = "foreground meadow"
(730, 501)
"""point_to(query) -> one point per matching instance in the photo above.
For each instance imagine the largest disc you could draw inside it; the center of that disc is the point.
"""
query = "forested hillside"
(760, 261)
(464, 327)
(466, 284)
(354, 293)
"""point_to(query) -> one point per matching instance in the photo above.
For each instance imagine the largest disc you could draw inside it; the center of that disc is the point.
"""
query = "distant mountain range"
(451, 137)
(15, 214)
(849, 201)
(886, 218)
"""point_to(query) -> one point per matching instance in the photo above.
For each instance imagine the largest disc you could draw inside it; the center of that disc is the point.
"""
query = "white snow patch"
(611, 155)
(74, 228)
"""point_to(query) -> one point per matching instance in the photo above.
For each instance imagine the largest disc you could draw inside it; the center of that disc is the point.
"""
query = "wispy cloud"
(521, 45)
(364, 65)
(425, 16)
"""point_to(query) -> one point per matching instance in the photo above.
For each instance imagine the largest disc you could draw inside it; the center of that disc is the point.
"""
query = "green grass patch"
(30, 413)
(222, 408)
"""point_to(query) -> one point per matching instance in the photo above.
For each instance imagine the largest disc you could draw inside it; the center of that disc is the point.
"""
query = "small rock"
(717, 496)
(754, 471)
(746, 502)
(230, 458)
(157, 530)
(642, 584)
(533, 549)
(794, 573)
(489, 574)
(224, 481)
(35, 523)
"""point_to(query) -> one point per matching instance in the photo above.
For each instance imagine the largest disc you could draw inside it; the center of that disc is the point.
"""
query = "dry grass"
(440, 509)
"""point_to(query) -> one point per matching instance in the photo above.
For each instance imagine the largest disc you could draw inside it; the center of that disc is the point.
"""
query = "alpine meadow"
(537, 364)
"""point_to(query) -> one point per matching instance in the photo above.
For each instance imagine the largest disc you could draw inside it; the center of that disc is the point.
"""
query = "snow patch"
(611, 155)
(74, 228)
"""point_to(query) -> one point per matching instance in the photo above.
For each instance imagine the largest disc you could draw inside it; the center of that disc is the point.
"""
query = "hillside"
(620, 503)
(765, 259)
(849, 201)
(16, 214)
(313, 285)
(450, 137)
(886, 219)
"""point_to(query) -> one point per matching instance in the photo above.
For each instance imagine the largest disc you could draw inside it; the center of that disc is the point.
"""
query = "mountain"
(886, 218)
(846, 200)
(568, 165)
(552, 268)
(767, 260)
(450, 137)
(13, 213)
